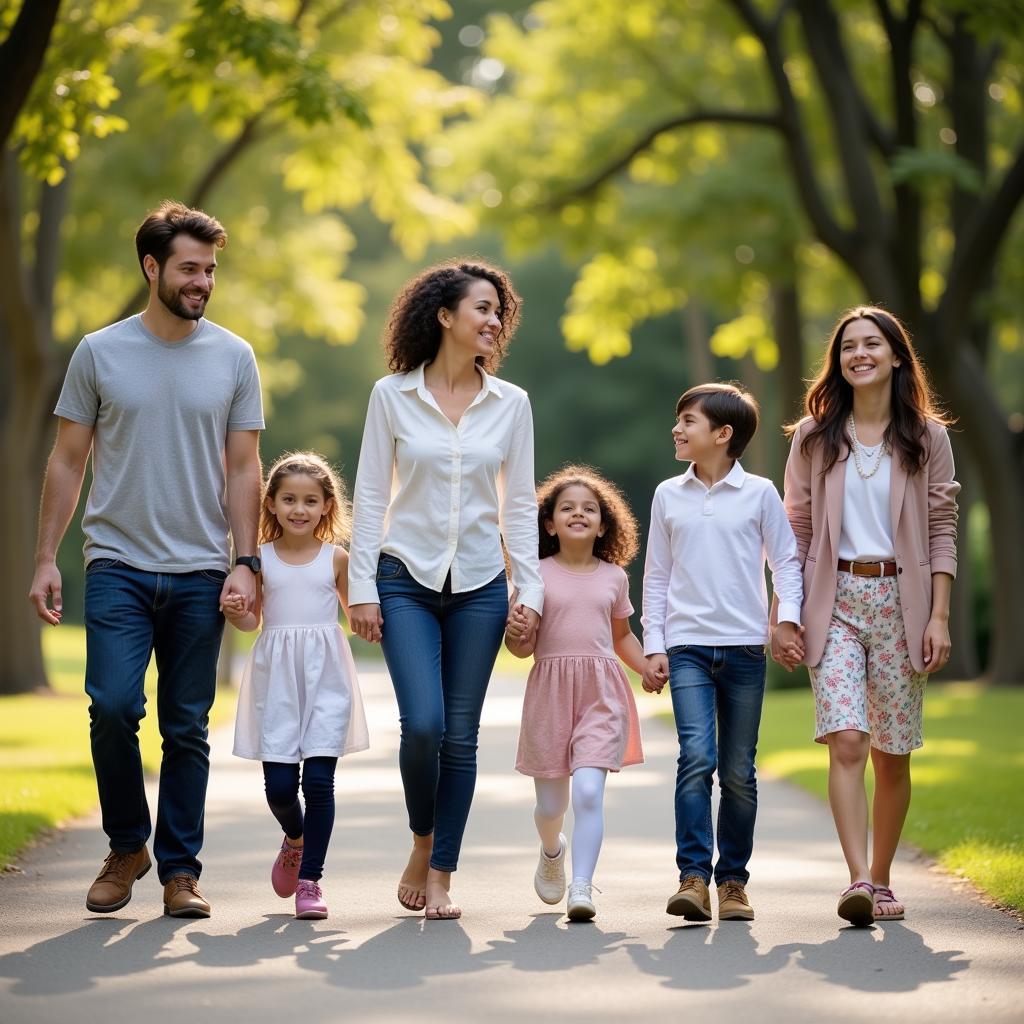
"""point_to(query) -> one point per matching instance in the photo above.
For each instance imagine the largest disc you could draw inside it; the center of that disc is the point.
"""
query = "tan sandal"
(857, 904)
(884, 896)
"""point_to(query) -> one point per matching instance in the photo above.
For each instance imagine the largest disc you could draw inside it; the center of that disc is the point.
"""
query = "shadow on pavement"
(543, 946)
(702, 957)
(108, 947)
(889, 959)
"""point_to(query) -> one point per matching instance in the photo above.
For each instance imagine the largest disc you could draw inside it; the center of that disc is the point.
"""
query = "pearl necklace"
(862, 453)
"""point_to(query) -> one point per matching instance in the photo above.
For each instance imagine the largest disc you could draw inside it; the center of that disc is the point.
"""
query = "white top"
(866, 535)
(299, 695)
(441, 497)
(704, 574)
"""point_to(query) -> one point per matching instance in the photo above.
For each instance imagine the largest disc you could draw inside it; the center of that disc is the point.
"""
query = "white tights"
(587, 786)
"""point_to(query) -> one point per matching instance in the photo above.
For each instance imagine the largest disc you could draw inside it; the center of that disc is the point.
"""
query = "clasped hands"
(521, 626)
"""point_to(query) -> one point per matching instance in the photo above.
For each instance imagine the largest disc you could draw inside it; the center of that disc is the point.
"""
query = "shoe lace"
(291, 856)
(185, 882)
(734, 891)
(115, 867)
(584, 889)
(308, 889)
(694, 882)
(551, 868)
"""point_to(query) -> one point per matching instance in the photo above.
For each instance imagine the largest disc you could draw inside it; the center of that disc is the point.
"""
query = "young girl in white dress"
(299, 700)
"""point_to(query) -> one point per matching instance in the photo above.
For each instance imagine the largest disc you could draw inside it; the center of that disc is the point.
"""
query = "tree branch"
(850, 120)
(21, 57)
(249, 134)
(976, 248)
(647, 139)
(825, 226)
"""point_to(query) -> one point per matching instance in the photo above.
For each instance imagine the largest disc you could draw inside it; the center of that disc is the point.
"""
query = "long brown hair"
(620, 541)
(335, 525)
(829, 399)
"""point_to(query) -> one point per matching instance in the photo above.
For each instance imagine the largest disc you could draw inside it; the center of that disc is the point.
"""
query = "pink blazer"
(924, 518)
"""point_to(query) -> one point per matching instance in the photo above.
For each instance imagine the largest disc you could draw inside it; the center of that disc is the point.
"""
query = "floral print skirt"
(865, 680)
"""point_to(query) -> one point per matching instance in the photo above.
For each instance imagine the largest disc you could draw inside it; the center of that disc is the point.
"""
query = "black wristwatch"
(250, 562)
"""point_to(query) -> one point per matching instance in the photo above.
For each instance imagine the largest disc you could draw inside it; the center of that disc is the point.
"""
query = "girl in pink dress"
(579, 717)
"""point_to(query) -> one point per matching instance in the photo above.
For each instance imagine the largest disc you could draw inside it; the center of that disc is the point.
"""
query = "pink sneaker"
(285, 873)
(309, 900)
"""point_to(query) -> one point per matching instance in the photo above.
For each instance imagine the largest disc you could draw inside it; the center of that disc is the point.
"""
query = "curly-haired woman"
(445, 474)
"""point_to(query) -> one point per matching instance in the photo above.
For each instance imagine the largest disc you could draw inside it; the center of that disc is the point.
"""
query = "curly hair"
(335, 525)
(620, 541)
(413, 332)
(829, 399)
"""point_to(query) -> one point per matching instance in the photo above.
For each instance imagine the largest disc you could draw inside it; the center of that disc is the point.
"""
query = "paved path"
(511, 958)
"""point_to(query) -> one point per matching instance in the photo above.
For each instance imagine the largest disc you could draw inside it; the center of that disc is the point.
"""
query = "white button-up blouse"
(441, 497)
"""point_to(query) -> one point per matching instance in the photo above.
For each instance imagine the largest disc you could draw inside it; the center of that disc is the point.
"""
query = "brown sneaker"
(182, 897)
(113, 886)
(693, 901)
(733, 904)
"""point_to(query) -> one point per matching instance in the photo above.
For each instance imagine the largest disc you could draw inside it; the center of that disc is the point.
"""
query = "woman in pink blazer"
(871, 498)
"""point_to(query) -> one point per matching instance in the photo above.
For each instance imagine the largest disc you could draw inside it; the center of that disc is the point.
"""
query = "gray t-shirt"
(161, 412)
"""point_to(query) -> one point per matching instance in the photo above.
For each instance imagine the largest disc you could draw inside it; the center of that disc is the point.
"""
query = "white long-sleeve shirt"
(441, 497)
(704, 573)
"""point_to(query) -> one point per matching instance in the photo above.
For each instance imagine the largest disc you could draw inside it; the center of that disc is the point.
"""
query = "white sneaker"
(549, 878)
(581, 901)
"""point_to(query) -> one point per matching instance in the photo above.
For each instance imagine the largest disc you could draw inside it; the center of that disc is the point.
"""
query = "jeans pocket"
(213, 575)
(389, 567)
(678, 649)
(101, 563)
(754, 651)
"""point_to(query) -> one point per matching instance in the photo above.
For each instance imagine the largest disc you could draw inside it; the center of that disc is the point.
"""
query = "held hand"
(532, 623)
(936, 645)
(242, 581)
(656, 673)
(45, 593)
(233, 607)
(787, 645)
(517, 627)
(366, 621)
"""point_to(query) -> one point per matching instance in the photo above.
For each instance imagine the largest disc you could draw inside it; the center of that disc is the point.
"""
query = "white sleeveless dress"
(299, 696)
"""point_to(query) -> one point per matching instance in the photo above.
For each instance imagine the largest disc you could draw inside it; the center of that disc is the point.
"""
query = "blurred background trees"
(680, 190)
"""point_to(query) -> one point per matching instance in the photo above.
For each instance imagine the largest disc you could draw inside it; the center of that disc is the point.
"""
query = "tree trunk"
(994, 457)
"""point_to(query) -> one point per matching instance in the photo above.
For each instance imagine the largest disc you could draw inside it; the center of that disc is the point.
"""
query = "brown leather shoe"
(733, 904)
(692, 901)
(113, 886)
(182, 897)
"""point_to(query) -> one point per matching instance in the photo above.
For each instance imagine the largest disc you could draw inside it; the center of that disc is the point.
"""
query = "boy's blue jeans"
(717, 693)
(130, 614)
(440, 650)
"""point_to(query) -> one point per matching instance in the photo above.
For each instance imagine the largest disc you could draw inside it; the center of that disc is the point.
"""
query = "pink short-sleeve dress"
(579, 711)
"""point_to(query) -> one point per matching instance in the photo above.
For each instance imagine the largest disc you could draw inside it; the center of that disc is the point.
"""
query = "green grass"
(46, 773)
(967, 809)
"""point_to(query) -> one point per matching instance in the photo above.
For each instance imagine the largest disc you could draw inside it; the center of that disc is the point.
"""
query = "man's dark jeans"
(130, 614)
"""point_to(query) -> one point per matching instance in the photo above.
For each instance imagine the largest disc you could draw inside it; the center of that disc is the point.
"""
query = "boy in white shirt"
(705, 619)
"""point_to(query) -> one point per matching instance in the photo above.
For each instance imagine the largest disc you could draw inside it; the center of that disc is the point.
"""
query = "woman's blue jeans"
(717, 693)
(129, 615)
(440, 650)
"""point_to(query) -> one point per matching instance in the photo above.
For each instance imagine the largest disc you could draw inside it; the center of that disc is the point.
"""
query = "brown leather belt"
(868, 568)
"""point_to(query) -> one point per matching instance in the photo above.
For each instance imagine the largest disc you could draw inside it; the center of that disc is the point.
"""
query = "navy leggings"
(282, 785)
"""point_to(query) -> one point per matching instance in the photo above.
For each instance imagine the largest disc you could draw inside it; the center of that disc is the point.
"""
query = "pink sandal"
(883, 897)
(857, 904)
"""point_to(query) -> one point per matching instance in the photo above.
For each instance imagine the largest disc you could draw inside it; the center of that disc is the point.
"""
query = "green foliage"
(586, 144)
(73, 94)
